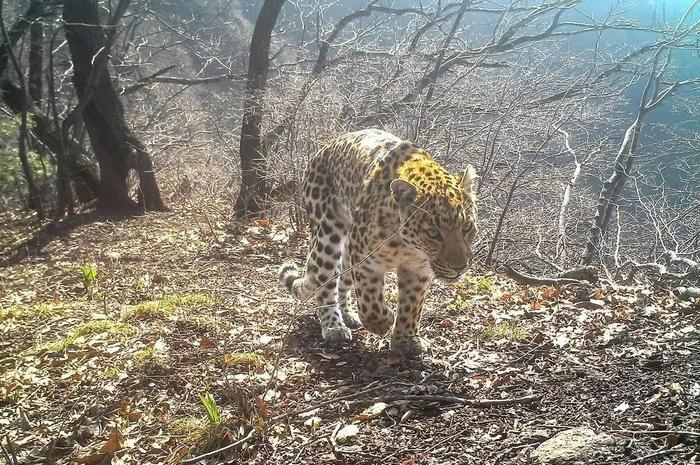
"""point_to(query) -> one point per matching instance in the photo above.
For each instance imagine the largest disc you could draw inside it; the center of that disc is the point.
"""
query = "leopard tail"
(291, 279)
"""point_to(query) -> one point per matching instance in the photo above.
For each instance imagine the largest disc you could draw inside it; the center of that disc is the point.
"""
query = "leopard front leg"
(369, 290)
(413, 287)
(350, 316)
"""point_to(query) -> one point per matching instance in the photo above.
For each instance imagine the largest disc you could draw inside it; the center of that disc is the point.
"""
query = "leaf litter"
(115, 371)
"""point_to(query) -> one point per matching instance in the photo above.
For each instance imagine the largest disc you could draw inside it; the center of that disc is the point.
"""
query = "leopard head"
(438, 214)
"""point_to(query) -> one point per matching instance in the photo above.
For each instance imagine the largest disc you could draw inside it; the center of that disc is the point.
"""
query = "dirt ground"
(112, 332)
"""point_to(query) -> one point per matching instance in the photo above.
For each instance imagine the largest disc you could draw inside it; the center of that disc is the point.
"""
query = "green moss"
(39, 311)
(485, 284)
(143, 356)
(168, 306)
(510, 330)
(114, 329)
(242, 359)
(470, 286)
(103, 326)
(190, 429)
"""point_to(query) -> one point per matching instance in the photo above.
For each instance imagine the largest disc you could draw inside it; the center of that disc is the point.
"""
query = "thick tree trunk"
(115, 146)
(253, 192)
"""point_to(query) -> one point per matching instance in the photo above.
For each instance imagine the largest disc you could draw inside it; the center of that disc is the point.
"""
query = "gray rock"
(573, 446)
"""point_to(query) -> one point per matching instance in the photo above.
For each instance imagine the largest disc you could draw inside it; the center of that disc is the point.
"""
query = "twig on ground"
(463, 401)
(214, 452)
(331, 401)
(9, 452)
(661, 453)
(657, 431)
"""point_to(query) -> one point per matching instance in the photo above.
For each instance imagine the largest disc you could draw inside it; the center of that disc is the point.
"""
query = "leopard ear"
(403, 191)
(469, 180)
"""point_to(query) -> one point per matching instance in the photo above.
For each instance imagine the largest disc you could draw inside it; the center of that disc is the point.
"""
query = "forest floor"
(151, 340)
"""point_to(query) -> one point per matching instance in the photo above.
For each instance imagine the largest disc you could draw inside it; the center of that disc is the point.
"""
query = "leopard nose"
(458, 263)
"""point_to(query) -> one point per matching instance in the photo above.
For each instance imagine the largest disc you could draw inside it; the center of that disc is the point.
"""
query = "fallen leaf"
(114, 443)
(207, 343)
(622, 407)
(263, 410)
(371, 412)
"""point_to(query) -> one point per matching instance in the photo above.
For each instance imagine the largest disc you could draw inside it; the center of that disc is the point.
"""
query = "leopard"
(377, 204)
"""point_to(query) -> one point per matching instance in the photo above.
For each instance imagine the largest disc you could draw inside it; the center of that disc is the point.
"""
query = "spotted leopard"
(377, 204)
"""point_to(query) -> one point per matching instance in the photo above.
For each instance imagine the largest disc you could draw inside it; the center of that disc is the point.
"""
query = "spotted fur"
(377, 204)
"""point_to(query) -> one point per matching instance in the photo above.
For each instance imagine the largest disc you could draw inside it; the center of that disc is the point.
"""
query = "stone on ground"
(577, 445)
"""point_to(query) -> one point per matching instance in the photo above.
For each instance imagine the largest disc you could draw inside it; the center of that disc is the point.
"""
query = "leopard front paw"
(336, 334)
(379, 324)
(351, 319)
(409, 346)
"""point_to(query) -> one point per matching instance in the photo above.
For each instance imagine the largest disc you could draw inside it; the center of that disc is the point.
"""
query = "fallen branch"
(522, 278)
(661, 271)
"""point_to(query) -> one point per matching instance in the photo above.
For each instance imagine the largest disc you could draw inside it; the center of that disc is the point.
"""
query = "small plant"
(485, 285)
(211, 408)
(89, 273)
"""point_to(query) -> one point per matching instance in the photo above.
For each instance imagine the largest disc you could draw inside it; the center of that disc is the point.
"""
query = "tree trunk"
(253, 192)
(612, 187)
(115, 146)
(8, 40)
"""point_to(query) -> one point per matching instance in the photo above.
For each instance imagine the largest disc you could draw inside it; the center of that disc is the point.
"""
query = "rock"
(346, 434)
(577, 445)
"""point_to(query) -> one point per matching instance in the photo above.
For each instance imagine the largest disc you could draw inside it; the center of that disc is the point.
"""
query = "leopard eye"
(434, 234)
(467, 227)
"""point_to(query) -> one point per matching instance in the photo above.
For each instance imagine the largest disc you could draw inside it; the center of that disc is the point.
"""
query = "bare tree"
(655, 92)
(251, 197)
(117, 149)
